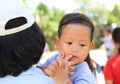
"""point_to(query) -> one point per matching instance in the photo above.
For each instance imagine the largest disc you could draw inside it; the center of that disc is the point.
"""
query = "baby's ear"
(92, 45)
(57, 42)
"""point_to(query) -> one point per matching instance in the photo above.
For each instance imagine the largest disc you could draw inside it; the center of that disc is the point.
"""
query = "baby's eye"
(82, 45)
(69, 43)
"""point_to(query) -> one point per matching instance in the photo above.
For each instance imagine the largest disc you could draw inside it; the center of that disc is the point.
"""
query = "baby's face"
(75, 41)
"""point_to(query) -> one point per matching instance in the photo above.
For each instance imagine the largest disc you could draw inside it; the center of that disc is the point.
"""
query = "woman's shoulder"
(31, 76)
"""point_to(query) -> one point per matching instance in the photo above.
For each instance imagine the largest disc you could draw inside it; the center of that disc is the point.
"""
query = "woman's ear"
(57, 42)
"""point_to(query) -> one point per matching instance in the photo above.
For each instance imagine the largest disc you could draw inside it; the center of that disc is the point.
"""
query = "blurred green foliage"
(49, 21)
(114, 15)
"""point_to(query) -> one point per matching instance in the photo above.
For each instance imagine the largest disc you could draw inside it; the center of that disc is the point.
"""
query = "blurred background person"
(112, 68)
(107, 42)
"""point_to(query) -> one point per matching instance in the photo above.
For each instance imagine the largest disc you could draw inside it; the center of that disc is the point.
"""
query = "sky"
(69, 5)
(109, 3)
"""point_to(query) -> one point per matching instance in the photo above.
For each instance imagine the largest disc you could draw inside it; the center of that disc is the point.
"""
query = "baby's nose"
(74, 49)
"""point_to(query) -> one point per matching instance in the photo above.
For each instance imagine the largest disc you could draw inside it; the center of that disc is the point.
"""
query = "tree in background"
(114, 16)
(48, 20)
(98, 12)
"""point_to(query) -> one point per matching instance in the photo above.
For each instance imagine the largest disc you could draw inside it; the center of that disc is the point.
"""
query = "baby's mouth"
(73, 58)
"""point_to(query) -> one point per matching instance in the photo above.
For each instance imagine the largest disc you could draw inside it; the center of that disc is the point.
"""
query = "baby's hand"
(60, 69)
(64, 60)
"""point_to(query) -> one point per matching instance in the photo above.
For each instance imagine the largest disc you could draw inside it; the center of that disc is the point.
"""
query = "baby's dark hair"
(77, 18)
(116, 36)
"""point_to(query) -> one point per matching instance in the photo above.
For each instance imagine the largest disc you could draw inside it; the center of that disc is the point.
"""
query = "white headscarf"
(10, 9)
